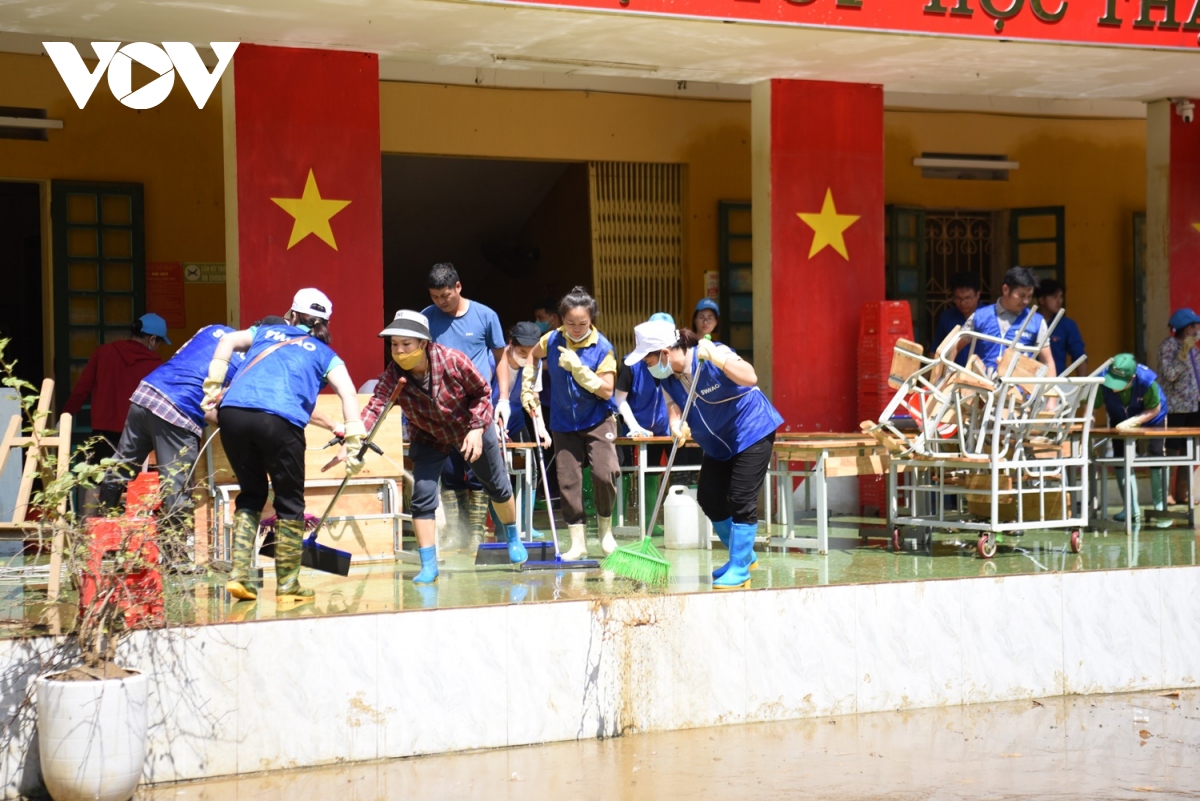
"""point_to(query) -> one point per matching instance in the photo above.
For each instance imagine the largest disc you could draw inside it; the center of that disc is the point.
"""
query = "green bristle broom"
(641, 561)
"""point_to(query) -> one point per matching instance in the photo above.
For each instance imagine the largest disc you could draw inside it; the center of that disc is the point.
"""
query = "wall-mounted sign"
(1128, 23)
(164, 292)
(203, 273)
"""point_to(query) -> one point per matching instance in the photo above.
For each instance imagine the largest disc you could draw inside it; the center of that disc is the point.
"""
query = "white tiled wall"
(290, 693)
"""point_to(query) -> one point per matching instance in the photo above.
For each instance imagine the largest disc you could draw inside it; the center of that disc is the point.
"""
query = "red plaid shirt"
(460, 400)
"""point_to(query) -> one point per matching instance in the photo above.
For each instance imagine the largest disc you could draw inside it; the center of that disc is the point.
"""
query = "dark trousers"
(262, 446)
(176, 450)
(730, 488)
(429, 463)
(592, 447)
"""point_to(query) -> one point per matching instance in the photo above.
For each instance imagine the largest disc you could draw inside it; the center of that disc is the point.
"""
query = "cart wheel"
(986, 546)
(896, 539)
(1076, 541)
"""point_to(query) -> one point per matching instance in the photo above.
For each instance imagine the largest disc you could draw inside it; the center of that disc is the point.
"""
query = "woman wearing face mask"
(262, 417)
(642, 407)
(733, 423)
(448, 407)
(582, 371)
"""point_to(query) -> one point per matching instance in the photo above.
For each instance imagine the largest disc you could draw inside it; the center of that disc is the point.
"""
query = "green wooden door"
(1140, 344)
(1036, 239)
(99, 272)
(905, 261)
(737, 278)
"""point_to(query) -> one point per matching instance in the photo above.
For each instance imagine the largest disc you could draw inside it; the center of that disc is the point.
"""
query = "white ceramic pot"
(92, 737)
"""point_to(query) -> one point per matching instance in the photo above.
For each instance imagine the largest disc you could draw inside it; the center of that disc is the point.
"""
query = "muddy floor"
(1142, 746)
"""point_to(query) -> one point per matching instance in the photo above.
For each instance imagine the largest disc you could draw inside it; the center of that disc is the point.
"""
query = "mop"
(558, 563)
(642, 561)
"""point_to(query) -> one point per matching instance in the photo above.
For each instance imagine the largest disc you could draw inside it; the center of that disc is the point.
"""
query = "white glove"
(339, 430)
(503, 412)
(355, 434)
(681, 431)
(539, 430)
(215, 382)
(709, 352)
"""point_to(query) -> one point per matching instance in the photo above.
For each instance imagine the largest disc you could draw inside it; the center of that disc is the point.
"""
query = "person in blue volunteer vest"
(165, 417)
(643, 408)
(1005, 318)
(583, 370)
(262, 416)
(521, 339)
(733, 423)
(1132, 397)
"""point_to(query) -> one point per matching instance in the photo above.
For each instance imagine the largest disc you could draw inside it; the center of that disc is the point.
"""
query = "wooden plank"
(876, 465)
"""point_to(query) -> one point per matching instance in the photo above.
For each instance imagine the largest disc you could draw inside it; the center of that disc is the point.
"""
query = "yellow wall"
(711, 138)
(173, 150)
(1095, 168)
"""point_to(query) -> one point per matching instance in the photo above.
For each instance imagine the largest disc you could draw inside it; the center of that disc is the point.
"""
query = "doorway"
(517, 232)
(21, 266)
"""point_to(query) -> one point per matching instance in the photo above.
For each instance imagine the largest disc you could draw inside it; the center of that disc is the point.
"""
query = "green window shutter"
(99, 272)
(736, 278)
(1036, 240)
(905, 263)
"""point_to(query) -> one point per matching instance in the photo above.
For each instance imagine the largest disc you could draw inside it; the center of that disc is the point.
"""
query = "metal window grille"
(637, 245)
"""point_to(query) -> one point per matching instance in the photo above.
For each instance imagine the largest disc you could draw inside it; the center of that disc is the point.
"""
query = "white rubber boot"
(608, 543)
(578, 549)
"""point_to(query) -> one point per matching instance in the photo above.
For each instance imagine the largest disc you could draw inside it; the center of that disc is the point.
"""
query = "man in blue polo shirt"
(1008, 316)
(1065, 340)
(474, 329)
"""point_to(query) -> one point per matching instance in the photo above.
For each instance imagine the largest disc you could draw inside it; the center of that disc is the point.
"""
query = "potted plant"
(91, 712)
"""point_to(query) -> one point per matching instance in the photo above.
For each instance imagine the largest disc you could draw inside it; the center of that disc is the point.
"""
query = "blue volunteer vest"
(573, 408)
(1118, 411)
(987, 323)
(181, 379)
(725, 419)
(647, 402)
(285, 383)
(516, 420)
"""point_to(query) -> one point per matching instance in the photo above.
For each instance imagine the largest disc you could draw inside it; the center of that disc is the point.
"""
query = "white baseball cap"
(313, 302)
(408, 323)
(651, 338)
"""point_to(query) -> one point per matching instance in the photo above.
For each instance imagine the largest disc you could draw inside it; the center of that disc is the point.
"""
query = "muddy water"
(1144, 746)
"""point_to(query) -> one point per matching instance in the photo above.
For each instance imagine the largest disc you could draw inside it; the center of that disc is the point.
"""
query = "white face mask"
(577, 340)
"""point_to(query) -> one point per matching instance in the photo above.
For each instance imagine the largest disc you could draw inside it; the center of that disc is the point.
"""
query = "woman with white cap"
(582, 370)
(731, 420)
(262, 417)
(643, 408)
(448, 406)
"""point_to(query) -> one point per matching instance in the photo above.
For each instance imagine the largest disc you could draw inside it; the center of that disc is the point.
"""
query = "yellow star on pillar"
(828, 227)
(1196, 226)
(312, 213)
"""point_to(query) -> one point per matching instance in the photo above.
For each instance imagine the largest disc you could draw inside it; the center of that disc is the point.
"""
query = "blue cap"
(710, 304)
(662, 317)
(1182, 318)
(153, 325)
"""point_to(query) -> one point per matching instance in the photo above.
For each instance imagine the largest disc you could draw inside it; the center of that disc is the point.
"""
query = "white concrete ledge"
(243, 698)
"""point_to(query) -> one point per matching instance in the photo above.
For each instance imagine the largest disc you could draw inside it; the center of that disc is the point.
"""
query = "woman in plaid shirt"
(449, 408)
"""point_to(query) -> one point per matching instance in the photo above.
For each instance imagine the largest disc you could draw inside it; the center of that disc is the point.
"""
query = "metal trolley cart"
(1010, 446)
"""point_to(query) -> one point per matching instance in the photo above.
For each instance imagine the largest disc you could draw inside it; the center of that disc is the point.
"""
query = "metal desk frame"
(1132, 460)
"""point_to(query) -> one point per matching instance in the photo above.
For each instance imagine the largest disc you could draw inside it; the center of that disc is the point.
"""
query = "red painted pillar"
(1185, 214)
(303, 197)
(818, 243)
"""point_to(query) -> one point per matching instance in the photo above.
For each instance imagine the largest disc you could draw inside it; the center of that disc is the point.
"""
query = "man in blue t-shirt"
(473, 328)
(1065, 339)
(965, 289)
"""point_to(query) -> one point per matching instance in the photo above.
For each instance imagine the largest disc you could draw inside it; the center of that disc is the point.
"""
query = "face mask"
(662, 369)
(577, 340)
(408, 361)
(543, 325)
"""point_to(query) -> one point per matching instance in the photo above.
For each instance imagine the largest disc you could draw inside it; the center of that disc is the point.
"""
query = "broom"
(642, 561)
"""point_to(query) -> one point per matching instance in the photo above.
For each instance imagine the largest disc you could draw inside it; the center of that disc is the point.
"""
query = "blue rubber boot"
(516, 550)
(429, 568)
(741, 551)
(722, 528)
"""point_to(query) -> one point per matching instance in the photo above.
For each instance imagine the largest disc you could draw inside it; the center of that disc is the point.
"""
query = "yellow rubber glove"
(569, 361)
(709, 352)
(681, 431)
(1125, 425)
(1185, 348)
(215, 382)
(355, 434)
(529, 397)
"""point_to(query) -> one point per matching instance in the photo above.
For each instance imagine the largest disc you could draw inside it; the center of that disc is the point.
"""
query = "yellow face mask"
(408, 361)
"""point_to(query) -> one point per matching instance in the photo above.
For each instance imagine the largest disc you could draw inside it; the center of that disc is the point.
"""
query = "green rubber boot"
(1133, 498)
(478, 518)
(1158, 492)
(245, 531)
(289, 545)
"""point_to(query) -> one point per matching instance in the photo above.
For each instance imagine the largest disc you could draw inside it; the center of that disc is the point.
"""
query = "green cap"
(1120, 372)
